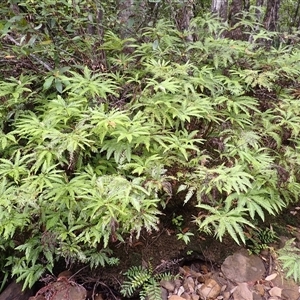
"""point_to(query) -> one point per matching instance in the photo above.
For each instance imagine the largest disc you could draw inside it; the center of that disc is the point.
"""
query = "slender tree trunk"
(259, 4)
(235, 13)
(132, 14)
(271, 16)
(246, 5)
(183, 16)
(220, 7)
(236, 8)
(296, 18)
(125, 16)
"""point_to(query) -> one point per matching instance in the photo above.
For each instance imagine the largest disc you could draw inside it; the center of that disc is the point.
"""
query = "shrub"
(88, 157)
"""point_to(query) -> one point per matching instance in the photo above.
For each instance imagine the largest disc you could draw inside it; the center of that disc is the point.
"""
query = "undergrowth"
(91, 154)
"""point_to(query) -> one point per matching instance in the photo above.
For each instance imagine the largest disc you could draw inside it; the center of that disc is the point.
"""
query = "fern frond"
(137, 277)
(151, 290)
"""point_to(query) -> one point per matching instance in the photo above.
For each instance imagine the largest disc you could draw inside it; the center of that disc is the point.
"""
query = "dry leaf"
(271, 277)
(275, 291)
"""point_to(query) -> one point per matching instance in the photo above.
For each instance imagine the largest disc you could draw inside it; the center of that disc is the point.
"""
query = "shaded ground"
(162, 251)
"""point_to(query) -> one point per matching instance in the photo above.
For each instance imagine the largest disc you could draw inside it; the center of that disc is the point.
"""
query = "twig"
(46, 66)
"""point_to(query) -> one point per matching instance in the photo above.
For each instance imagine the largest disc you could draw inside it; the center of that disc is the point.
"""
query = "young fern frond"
(137, 277)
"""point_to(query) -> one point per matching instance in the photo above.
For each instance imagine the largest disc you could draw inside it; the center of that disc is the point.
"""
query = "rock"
(242, 292)
(180, 291)
(168, 285)
(226, 295)
(202, 278)
(186, 296)
(164, 294)
(290, 290)
(290, 294)
(209, 290)
(14, 291)
(259, 288)
(62, 289)
(189, 284)
(275, 291)
(195, 296)
(257, 297)
(175, 297)
(242, 267)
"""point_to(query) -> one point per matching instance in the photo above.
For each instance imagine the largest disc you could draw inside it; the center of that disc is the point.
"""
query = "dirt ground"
(162, 251)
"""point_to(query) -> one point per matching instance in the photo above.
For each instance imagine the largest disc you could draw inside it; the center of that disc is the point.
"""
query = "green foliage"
(289, 258)
(145, 281)
(185, 236)
(100, 132)
(259, 239)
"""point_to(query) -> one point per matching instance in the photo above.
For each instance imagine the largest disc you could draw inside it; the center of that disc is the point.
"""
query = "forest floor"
(203, 256)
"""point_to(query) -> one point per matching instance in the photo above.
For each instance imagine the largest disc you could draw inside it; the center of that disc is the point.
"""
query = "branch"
(46, 66)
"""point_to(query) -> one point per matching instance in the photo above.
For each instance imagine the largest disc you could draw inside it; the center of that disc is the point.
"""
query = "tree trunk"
(132, 14)
(271, 16)
(220, 7)
(183, 16)
(236, 8)
(235, 13)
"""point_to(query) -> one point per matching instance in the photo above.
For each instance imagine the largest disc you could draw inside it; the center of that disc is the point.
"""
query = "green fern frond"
(151, 290)
(137, 277)
(289, 256)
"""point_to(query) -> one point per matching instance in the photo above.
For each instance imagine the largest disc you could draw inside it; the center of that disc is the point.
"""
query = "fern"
(151, 290)
(137, 277)
(145, 281)
(221, 221)
(289, 256)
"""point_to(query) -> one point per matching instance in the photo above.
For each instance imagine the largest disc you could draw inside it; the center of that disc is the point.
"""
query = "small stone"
(257, 297)
(178, 283)
(195, 296)
(226, 295)
(290, 290)
(259, 288)
(169, 285)
(164, 293)
(180, 291)
(186, 296)
(242, 292)
(189, 285)
(175, 297)
(209, 290)
(275, 291)
(202, 278)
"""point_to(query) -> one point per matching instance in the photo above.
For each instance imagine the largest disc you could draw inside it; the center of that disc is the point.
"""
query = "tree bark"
(183, 16)
(235, 13)
(236, 8)
(271, 16)
(220, 7)
(131, 16)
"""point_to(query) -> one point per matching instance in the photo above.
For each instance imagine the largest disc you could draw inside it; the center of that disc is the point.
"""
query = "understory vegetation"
(98, 135)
